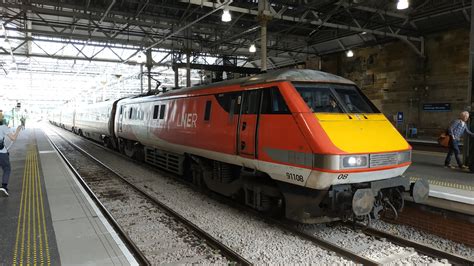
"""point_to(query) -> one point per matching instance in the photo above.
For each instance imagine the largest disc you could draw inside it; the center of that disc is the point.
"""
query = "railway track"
(137, 253)
(232, 256)
(347, 252)
(355, 254)
(420, 248)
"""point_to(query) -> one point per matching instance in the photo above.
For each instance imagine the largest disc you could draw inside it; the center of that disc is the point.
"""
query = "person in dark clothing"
(456, 130)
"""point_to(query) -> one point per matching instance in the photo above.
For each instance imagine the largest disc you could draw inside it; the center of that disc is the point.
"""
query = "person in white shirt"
(5, 131)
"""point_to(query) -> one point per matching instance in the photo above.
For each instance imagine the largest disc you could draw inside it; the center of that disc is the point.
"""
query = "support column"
(468, 144)
(470, 86)
(149, 65)
(188, 69)
(28, 34)
(263, 17)
(263, 46)
(176, 77)
(141, 78)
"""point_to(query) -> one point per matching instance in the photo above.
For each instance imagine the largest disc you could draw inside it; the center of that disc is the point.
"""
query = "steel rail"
(421, 248)
(211, 241)
(137, 253)
(327, 245)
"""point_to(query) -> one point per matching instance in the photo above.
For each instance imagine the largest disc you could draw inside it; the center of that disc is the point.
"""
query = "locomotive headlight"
(354, 161)
(404, 157)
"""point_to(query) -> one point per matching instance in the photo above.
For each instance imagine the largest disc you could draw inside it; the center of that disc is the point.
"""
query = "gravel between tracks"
(414, 234)
(259, 242)
(379, 250)
(170, 242)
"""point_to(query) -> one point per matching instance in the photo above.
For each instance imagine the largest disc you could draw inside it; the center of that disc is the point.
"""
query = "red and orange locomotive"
(306, 142)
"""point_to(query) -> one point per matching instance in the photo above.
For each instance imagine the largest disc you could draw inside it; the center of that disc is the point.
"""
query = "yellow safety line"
(22, 248)
(48, 258)
(40, 238)
(28, 243)
(15, 253)
(34, 217)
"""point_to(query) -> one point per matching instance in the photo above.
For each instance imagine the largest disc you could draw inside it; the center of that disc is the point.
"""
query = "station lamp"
(252, 48)
(6, 44)
(349, 53)
(141, 59)
(402, 4)
(226, 17)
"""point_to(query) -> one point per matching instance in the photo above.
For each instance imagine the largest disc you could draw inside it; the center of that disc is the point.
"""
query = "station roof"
(78, 40)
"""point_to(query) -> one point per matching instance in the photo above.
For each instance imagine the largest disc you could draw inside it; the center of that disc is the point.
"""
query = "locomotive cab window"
(335, 98)
(273, 102)
(251, 102)
(229, 101)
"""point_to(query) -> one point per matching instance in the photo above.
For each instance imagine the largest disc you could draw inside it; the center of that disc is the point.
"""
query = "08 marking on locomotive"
(295, 177)
(343, 176)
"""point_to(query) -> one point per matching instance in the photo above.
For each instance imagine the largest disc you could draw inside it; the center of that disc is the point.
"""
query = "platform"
(449, 188)
(48, 217)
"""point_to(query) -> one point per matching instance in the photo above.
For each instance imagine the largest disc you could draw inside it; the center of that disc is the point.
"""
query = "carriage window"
(156, 108)
(273, 102)
(162, 111)
(335, 98)
(130, 114)
(207, 113)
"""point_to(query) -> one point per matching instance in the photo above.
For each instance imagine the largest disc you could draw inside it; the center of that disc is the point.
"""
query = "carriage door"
(121, 114)
(248, 123)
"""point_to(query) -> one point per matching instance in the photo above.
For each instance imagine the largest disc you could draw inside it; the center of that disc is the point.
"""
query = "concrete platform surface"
(454, 185)
(48, 217)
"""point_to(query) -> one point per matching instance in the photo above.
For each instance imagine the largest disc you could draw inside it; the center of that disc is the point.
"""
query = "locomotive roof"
(303, 75)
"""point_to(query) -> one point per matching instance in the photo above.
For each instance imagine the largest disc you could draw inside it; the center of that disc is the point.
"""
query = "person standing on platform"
(23, 121)
(5, 131)
(456, 130)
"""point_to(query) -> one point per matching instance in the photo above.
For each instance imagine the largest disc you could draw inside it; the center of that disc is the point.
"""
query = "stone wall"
(396, 79)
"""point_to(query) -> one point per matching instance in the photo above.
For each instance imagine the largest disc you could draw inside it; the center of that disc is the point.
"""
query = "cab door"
(248, 124)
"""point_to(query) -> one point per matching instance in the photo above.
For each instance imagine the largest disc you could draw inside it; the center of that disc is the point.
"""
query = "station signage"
(400, 117)
(437, 107)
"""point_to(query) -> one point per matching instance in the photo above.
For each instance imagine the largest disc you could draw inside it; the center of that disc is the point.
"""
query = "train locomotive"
(304, 143)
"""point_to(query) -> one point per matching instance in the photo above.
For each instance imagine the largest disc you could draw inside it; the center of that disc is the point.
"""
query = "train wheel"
(129, 149)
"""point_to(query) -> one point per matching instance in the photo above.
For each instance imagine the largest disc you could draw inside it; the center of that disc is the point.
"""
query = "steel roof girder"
(77, 19)
(296, 20)
(420, 51)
